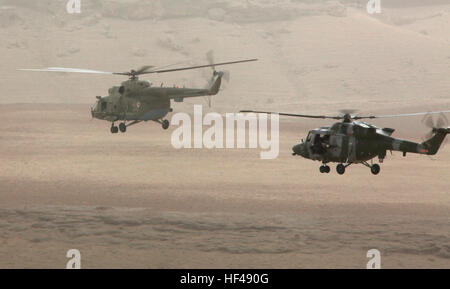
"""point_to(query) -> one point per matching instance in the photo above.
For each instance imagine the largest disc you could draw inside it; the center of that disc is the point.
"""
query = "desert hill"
(313, 55)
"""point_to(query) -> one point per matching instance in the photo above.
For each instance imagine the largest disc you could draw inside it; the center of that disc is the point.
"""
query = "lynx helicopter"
(352, 142)
(137, 100)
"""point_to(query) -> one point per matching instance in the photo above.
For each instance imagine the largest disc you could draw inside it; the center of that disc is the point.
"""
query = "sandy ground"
(131, 200)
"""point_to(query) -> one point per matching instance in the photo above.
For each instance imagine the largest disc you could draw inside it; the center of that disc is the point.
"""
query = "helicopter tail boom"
(428, 147)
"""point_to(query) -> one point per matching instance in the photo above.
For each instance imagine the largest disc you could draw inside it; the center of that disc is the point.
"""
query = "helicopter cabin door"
(339, 149)
(351, 155)
(340, 144)
(348, 143)
(318, 144)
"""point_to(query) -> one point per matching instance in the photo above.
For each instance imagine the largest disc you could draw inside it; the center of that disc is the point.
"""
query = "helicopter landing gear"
(122, 127)
(340, 169)
(114, 129)
(165, 124)
(324, 169)
(374, 169)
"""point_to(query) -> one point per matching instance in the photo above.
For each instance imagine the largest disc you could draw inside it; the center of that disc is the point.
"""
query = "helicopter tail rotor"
(434, 123)
(438, 126)
(215, 81)
(225, 74)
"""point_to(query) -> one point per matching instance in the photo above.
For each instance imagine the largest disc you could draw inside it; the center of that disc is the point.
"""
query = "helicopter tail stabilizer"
(433, 144)
(215, 86)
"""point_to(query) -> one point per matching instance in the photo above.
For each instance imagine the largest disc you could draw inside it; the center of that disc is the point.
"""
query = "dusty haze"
(131, 200)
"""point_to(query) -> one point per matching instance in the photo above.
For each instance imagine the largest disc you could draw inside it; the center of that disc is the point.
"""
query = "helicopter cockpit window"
(308, 138)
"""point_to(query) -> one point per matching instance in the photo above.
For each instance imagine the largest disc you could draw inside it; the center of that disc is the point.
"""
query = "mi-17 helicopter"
(137, 100)
(352, 142)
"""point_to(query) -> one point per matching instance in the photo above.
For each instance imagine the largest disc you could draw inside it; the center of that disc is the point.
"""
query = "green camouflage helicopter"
(352, 142)
(137, 100)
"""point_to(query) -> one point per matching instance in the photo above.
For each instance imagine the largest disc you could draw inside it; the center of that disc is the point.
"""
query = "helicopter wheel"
(375, 169)
(122, 127)
(324, 169)
(340, 169)
(165, 124)
(114, 129)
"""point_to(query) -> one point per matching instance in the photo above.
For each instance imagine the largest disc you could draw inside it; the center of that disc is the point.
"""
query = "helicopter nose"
(298, 149)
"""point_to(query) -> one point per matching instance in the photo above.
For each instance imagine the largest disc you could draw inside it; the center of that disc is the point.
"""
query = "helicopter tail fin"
(215, 86)
(432, 145)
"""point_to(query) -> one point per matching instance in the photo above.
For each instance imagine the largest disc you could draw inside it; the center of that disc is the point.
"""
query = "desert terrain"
(133, 201)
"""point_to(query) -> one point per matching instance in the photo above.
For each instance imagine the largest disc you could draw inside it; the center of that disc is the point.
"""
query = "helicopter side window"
(317, 139)
(326, 139)
(319, 144)
(103, 106)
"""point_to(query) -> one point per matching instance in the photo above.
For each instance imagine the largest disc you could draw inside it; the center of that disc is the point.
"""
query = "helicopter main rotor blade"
(295, 115)
(135, 72)
(401, 114)
(143, 70)
(66, 69)
(198, 66)
(166, 66)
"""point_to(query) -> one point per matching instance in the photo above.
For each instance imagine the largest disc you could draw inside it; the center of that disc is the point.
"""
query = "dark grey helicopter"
(352, 142)
(137, 100)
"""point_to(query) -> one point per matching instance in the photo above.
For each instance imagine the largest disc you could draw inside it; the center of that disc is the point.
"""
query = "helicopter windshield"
(100, 105)
(95, 108)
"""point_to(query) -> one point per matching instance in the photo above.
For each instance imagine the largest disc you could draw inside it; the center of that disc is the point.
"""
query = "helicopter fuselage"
(358, 142)
(137, 100)
(131, 101)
